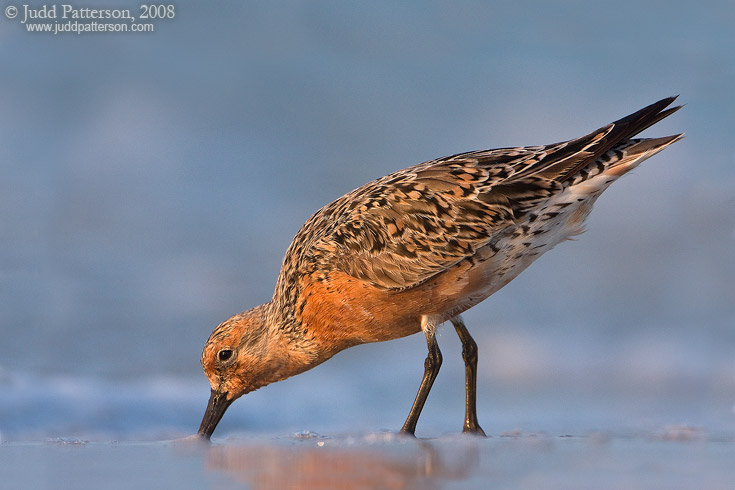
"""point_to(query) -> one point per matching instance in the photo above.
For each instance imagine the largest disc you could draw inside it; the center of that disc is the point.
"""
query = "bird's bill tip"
(218, 403)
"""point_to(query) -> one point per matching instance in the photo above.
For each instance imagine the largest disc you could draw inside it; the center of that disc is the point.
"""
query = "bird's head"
(236, 361)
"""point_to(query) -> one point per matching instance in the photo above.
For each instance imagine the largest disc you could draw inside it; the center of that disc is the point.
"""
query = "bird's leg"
(469, 354)
(431, 368)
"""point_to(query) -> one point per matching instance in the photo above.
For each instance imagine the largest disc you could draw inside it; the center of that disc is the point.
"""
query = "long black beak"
(216, 407)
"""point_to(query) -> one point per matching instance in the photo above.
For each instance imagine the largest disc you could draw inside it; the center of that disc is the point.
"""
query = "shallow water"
(680, 457)
(586, 432)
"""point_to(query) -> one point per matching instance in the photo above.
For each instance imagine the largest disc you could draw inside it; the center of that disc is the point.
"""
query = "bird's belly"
(506, 256)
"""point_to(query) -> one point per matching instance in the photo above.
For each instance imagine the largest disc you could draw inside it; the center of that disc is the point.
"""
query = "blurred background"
(150, 184)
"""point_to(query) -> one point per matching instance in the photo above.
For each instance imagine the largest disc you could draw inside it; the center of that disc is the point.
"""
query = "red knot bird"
(411, 250)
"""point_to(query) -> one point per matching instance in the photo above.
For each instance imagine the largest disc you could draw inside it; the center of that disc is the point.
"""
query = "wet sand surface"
(673, 457)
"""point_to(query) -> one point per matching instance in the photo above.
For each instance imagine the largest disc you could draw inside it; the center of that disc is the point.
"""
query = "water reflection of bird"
(416, 248)
(346, 466)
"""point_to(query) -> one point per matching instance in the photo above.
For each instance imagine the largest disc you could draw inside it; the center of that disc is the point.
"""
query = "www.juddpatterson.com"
(64, 18)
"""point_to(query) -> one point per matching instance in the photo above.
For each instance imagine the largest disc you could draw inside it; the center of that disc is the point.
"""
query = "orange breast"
(345, 311)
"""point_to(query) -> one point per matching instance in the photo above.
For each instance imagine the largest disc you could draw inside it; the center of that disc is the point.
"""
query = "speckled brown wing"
(409, 226)
(400, 230)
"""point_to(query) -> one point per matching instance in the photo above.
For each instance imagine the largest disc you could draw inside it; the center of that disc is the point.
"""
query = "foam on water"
(336, 401)
(35, 406)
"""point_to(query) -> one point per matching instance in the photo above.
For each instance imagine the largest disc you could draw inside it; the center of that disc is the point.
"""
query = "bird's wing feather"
(400, 230)
(407, 227)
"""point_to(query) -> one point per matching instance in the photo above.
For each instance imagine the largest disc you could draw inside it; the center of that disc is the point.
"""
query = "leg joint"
(433, 360)
(469, 350)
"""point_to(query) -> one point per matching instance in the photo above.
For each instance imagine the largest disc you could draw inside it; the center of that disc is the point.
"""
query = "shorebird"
(411, 250)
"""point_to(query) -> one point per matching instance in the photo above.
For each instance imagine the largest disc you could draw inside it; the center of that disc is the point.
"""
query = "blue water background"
(151, 183)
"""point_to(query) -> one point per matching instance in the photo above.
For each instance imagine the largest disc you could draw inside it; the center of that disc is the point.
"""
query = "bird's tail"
(632, 153)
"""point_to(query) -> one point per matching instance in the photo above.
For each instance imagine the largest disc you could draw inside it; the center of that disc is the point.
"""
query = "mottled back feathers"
(400, 230)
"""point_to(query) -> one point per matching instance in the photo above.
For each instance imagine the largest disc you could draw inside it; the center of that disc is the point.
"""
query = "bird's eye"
(224, 354)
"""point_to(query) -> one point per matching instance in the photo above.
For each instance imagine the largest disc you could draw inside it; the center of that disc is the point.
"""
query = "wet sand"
(676, 457)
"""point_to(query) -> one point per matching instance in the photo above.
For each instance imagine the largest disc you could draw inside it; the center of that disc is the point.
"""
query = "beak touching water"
(218, 403)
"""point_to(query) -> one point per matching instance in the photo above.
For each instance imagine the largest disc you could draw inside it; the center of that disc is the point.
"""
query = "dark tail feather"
(641, 120)
(622, 129)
